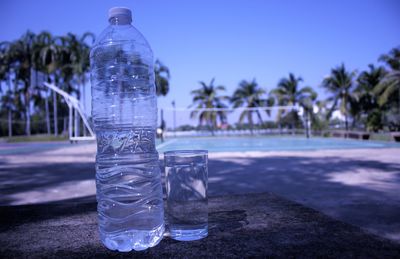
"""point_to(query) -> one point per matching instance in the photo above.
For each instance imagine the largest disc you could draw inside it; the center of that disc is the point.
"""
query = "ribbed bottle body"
(124, 115)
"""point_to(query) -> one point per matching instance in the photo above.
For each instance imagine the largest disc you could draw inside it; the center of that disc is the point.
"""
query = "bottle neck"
(120, 20)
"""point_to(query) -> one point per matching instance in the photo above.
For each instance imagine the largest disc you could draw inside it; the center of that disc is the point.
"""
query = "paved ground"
(250, 225)
(360, 187)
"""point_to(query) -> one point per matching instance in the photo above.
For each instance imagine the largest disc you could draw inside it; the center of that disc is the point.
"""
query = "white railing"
(75, 111)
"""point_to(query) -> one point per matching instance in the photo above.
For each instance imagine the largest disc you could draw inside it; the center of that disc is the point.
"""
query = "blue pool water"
(241, 144)
(219, 144)
(30, 147)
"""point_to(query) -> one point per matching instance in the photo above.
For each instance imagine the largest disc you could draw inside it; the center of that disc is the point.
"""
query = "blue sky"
(230, 40)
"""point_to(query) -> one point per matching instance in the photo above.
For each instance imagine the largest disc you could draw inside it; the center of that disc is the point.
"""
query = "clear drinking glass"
(186, 173)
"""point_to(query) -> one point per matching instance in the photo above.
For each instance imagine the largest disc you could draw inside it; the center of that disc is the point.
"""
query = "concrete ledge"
(350, 134)
(252, 225)
(396, 136)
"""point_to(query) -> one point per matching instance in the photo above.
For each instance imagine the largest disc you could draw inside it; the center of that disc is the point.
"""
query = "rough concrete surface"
(252, 225)
(360, 187)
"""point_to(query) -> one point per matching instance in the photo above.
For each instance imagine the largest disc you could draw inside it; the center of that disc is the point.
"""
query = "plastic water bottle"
(124, 113)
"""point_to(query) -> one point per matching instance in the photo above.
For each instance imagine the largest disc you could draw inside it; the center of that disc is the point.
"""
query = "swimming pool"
(31, 147)
(241, 144)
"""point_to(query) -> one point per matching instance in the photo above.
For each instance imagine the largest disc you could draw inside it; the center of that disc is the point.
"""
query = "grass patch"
(35, 138)
(381, 137)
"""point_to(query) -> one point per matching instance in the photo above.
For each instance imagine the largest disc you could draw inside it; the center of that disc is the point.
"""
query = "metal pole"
(76, 130)
(9, 123)
(309, 124)
(162, 125)
(174, 110)
(70, 122)
(9, 108)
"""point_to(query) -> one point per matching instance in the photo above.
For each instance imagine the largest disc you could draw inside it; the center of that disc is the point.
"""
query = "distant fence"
(245, 132)
(38, 126)
(360, 135)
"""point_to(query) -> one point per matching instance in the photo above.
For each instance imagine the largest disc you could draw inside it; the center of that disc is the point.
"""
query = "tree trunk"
(64, 126)
(70, 126)
(28, 114)
(260, 119)
(307, 125)
(84, 106)
(46, 104)
(346, 123)
(76, 117)
(9, 123)
(250, 119)
(29, 87)
(212, 128)
(211, 125)
(28, 122)
(10, 133)
(399, 102)
(78, 123)
(55, 117)
(84, 98)
(292, 124)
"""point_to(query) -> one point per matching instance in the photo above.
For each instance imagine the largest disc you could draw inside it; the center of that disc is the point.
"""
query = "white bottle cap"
(121, 12)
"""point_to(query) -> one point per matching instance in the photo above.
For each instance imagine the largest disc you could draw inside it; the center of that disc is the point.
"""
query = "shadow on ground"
(43, 179)
(363, 193)
(360, 192)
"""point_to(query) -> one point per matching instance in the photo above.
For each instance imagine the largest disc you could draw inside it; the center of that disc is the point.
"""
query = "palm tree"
(367, 81)
(366, 101)
(21, 52)
(208, 97)
(79, 51)
(48, 55)
(390, 83)
(249, 95)
(63, 60)
(162, 76)
(45, 61)
(306, 101)
(7, 98)
(289, 93)
(339, 84)
(73, 66)
(319, 118)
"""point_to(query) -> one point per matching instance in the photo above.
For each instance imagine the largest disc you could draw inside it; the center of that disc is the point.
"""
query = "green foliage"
(374, 120)
(64, 60)
(208, 97)
(365, 101)
(388, 89)
(288, 92)
(162, 76)
(291, 120)
(340, 83)
(249, 95)
(319, 124)
(186, 128)
(370, 101)
(392, 119)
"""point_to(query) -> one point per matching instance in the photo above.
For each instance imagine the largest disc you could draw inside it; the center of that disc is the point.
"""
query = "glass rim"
(186, 153)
